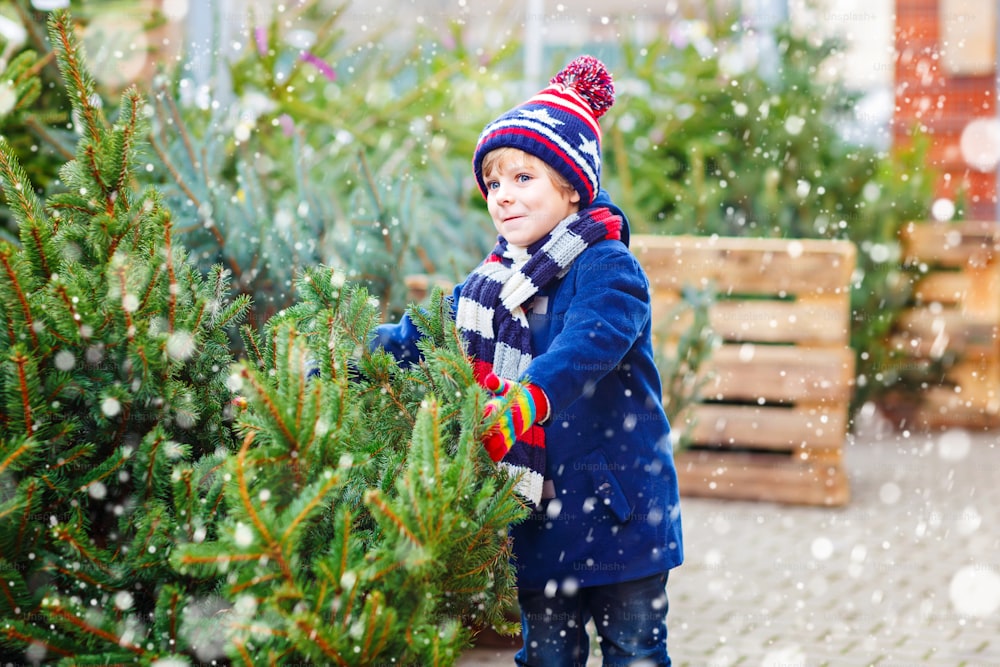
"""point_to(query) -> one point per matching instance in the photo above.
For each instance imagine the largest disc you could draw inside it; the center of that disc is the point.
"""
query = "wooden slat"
(978, 381)
(974, 291)
(951, 243)
(747, 266)
(937, 330)
(779, 374)
(942, 407)
(761, 477)
(804, 431)
(919, 347)
(772, 417)
(813, 320)
(956, 316)
(821, 320)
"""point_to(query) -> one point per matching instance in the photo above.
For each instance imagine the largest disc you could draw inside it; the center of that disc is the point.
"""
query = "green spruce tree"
(162, 504)
(366, 524)
(112, 380)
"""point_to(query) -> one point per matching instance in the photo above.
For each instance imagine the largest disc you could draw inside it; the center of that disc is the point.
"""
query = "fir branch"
(236, 589)
(68, 301)
(233, 313)
(131, 102)
(149, 537)
(150, 289)
(71, 573)
(241, 647)
(175, 175)
(178, 121)
(374, 497)
(10, 598)
(252, 342)
(25, 523)
(172, 286)
(343, 548)
(20, 196)
(39, 244)
(21, 361)
(121, 272)
(66, 536)
(14, 281)
(111, 468)
(194, 559)
(78, 80)
(78, 453)
(172, 607)
(199, 317)
(73, 203)
(15, 636)
(42, 131)
(244, 490)
(86, 627)
(116, 241)
(376, 614)
(314, 636)
(269, 405)
(315, 501)
(158, 440)
(38, 66)
(348, 609)
(93, 164)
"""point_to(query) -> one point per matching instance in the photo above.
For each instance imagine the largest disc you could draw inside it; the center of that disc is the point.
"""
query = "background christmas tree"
(346, 512)
(331, 147)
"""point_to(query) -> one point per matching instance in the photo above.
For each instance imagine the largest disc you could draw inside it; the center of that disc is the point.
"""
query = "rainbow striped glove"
(525, 404)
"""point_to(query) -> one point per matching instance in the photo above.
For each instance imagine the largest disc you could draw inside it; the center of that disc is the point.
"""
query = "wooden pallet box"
(772, 416)
(951, 327)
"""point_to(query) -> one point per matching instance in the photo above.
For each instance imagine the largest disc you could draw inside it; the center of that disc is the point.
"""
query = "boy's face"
(523, 201)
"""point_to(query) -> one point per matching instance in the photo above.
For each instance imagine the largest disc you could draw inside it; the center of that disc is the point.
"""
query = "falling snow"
(180, 345)
(110, 406)
(243, 535)
(907, 572)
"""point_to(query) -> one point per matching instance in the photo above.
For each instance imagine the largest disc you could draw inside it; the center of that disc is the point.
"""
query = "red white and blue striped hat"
(558, 126)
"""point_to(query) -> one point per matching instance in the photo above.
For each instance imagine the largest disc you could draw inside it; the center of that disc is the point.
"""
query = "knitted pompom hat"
(559, 126)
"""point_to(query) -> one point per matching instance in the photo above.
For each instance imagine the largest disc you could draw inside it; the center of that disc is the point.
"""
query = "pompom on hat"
(559, 126)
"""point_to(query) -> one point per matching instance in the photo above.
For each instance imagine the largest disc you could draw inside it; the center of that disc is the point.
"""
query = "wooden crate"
(772, 417)
(951, 327)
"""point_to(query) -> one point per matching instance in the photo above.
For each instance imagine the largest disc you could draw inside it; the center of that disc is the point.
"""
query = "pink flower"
(320, 64)
(260, 36)
(287, 124)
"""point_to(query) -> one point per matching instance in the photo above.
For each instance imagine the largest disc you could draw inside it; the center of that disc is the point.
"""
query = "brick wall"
(931, 94)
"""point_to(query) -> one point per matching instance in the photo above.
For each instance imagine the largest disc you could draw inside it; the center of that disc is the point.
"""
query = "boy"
(557, 320)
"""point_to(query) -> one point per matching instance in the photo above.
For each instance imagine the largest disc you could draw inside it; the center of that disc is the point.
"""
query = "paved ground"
(907, 574)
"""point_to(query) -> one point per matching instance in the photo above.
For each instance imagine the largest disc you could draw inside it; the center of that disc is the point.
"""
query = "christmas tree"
(162, 504)
(325, 147)
(365, 522)
(112, 376)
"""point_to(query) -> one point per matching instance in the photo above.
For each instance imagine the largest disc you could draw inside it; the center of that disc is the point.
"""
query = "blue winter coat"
(616, 513)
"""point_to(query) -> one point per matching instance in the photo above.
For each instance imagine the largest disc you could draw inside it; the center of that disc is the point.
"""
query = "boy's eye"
(492, 185)
(522, 178)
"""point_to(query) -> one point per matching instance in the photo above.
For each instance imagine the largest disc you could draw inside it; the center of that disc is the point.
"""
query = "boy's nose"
(504, 194)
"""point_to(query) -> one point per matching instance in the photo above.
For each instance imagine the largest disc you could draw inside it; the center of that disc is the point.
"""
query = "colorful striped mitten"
(525, 404)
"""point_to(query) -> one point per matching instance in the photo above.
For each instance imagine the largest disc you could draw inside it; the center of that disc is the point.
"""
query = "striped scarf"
(492, 316)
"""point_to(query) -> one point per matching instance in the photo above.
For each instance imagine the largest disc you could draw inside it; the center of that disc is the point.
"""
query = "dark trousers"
(631, 621)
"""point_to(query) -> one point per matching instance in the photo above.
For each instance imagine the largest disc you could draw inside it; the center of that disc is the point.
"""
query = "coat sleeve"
(608, 312)
(400, 338)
